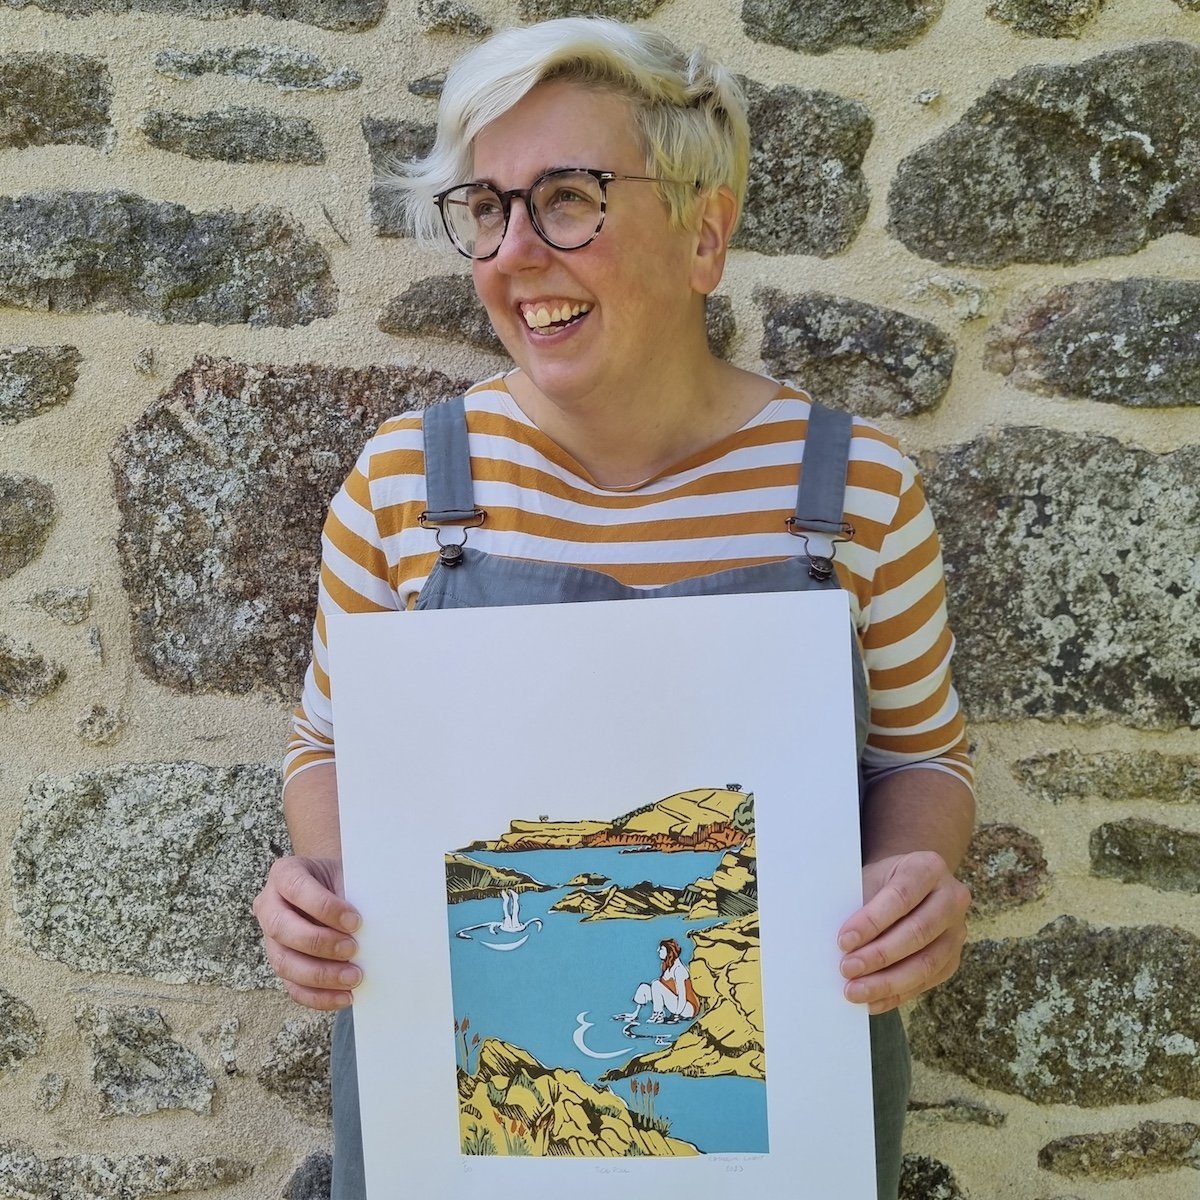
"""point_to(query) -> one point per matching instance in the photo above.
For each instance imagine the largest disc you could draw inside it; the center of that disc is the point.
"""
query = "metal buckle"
(820, 566)
(451, 553)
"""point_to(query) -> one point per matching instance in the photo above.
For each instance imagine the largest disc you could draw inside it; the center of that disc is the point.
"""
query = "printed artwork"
(606, 983)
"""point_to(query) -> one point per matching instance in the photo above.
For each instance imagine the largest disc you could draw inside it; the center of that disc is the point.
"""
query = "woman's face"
(632, 284)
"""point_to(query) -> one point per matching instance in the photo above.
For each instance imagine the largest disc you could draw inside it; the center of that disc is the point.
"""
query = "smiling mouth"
(546, 319)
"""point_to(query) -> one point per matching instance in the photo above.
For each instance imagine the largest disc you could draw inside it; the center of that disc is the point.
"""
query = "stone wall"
(975, 222)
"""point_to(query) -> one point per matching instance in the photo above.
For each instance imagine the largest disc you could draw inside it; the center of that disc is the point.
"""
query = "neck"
(651, 423)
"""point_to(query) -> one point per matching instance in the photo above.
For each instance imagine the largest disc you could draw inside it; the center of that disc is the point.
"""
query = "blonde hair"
(689, 110)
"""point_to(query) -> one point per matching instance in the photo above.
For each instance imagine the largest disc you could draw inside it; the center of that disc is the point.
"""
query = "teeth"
(543, 316)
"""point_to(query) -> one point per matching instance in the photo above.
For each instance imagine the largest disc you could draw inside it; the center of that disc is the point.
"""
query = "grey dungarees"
(467, 578)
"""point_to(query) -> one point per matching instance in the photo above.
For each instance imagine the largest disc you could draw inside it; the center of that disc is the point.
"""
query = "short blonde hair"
(689, 110)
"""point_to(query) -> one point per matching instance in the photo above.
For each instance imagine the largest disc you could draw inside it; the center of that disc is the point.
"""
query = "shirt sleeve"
(354, 578)
(916, 718)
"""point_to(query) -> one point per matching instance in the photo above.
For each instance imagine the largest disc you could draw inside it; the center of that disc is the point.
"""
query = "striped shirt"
(723, 507)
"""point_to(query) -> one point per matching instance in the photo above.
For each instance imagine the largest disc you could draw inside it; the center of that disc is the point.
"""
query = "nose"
(522, 246)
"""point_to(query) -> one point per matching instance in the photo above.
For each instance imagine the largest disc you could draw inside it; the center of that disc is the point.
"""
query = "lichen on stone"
(806, 192)
(221, 596)
(1074, 1015)
(34, 379)
(149, 869)
(1120, 341)
(1059, 776)
(21, 1033)
(818, 26)
(297, 1067)
(1070, 576)
(137, 1068)
(113, 251)
(282, 67)
(237, 134)
(1060, 163)
(51, 98)
(855, 356)
(1140, 851)
(1147, 1149)
(27, 515)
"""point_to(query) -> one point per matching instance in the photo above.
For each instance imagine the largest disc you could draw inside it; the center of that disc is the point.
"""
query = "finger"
(322, 1000)
(909, 978)
(311, 974)
(910, 880)
(297, 885)
(945, 908)
(294, 930)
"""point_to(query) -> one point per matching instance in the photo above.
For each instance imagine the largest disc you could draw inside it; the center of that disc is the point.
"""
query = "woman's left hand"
(909, 934)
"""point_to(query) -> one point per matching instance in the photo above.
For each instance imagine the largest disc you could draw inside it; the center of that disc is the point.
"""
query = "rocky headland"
(511, 1104)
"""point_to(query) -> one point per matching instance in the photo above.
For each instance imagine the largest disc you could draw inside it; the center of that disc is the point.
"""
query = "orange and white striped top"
(724, 507)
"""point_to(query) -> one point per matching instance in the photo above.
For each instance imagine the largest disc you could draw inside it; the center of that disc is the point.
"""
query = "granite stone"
(1060, 163)
(1140, 851)
(236, 134)
(1119, 341)
(51, 98)
(101, 726)
(441, 306)
(926, 1178)
(817, 26)
(25, 676)
(1062, 776)
(1074, 1015)
(1070, 576)
(620, 10)
(284, 67)
(391, 144)
(217, 605)
(1045, 18)
(69, 252)
(297, 1067)
(137, 1068)
(27, 515)
(68, 604)
(51, 1089)
(21, 1033)
(25, 1176)
(1004, 867)
(312, 1179)
(854, 356)
(1148, 1149)
(345, 16)
(34, 379)
(149, 869)
(451, 16)
(807, 193)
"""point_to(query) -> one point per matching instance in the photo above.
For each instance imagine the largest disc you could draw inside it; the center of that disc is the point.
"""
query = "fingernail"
(342, 1000)
(856, 992)
(346, 947)
(351, 921)
(349, 975)
(853, 967)
(849, 940)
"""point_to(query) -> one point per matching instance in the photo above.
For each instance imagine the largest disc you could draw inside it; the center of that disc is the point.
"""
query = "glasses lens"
(474, 217)
(567, 206)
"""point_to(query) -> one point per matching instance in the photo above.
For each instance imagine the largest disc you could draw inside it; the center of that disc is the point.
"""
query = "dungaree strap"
(450, 497)
(820, 499)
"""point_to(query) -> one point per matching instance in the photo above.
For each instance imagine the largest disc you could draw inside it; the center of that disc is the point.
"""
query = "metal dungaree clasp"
(451, 553)
(820, 566)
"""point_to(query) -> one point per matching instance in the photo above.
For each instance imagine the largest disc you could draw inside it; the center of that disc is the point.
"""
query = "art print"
(602, 852)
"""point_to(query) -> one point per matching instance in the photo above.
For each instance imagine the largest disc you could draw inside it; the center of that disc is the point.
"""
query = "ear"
(714, 224)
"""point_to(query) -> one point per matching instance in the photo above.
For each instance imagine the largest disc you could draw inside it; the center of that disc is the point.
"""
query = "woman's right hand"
(306, 925)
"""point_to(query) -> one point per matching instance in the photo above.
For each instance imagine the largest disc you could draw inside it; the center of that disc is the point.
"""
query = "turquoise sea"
(532, 995)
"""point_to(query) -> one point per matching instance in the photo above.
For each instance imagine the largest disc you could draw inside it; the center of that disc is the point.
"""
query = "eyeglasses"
(566, 209)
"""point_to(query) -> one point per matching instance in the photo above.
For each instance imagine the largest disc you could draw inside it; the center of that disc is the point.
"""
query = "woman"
(670, 996)
(594, 176)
